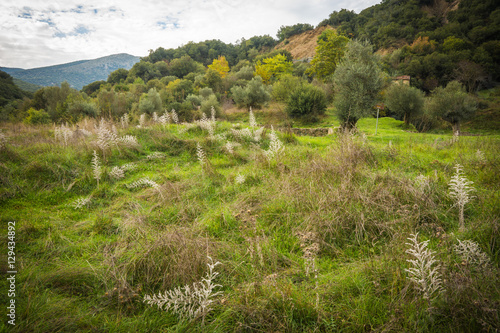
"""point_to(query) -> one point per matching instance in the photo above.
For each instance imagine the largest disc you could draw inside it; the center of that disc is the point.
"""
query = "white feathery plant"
(422, 183)
(105, 137)
(424, 272)
(62, 133)
(96, 167)
(117, 173)
(155, 156)
(80, 202)
(275, 146)
(124, 120)
(129, 141)
(230, 147)
(480, 157)
(189, 302)
(155, 117)
(212, 112)
(471, 253)
(142, 120)
(174, 116)
(257, 134)
(143, 182)
(3, 141)
(460, 188)
(251, 119)
(164, 119)
(202, 158)
(129, 166)
(240, 179)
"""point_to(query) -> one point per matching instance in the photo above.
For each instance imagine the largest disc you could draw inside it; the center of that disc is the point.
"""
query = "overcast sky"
(37, 33)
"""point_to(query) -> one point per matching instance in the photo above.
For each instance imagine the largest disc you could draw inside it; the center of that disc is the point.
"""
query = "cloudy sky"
(37, 33)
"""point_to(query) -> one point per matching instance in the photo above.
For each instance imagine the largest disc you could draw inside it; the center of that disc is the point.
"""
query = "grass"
(354, 195)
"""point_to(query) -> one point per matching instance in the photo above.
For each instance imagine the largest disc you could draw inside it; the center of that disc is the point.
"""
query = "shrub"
(37, 117)
(306, 101)
(150, 102)
(206, 106)
(255, 94)
(206, 92)
(194, 100)
(283, 88)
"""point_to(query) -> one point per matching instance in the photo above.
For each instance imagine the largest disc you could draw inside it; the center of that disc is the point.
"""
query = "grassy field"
(312, 238)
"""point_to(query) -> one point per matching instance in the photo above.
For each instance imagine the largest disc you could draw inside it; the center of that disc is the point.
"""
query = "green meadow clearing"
(311, 236)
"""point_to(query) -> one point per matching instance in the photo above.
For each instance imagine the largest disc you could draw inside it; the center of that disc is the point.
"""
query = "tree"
(405, 101)
(184, 65)
(452, 104)
(330, 49)
(285, 32)
(470, 74)
(357, 82)
(144, 70)
(221, 66)
(273, 68)
(117, 76)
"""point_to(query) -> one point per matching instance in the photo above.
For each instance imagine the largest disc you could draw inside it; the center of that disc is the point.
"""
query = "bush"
(82, 109)
(37, 117)
(306, 101)
(194, 100)
(150, 102)
(205, 93)
(254, 94)
(284, 87)
(207, 104)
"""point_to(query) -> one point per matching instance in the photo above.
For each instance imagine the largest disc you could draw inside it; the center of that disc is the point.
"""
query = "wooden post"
(376, 126)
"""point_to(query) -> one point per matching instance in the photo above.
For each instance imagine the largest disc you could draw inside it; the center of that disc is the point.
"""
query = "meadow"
(270, 231)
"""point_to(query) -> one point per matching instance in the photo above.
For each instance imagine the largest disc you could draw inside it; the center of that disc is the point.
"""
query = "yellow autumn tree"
(273, 68)
(220, 65)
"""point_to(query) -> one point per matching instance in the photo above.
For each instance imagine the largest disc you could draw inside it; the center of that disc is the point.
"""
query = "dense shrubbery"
(306, 101)
(254, 94)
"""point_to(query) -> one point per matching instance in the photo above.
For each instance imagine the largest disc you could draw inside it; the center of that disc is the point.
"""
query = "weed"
(190, 301)
(424, 272)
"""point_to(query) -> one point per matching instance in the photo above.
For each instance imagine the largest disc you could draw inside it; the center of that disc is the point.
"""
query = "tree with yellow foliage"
(220, 65)
(273, 68)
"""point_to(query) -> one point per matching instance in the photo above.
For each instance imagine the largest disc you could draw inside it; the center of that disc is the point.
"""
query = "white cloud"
(36, 34)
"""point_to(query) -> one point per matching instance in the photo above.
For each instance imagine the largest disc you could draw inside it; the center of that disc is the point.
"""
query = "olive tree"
(452, 104)
(357, 81)
(405, 101)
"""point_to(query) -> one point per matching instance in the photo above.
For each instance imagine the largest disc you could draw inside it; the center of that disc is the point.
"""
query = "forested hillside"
(77, 74)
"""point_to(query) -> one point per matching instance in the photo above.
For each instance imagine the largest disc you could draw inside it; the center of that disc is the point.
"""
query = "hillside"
(77, 74)
(302, 46)
(26, 86)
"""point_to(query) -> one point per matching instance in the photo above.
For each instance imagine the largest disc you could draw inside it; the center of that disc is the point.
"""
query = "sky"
(37, 33)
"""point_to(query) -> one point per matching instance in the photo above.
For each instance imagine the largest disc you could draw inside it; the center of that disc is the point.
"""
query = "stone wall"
(309, 131)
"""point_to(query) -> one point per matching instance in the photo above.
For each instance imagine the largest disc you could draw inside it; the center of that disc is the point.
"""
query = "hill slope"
(302, 46)
(78, 73)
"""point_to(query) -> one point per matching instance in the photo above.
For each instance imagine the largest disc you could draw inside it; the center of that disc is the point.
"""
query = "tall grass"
(313, 241)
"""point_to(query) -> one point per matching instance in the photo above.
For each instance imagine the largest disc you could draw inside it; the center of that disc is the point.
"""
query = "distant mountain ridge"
(77, 73)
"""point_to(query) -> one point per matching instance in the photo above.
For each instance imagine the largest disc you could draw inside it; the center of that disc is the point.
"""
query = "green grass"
(354, 196)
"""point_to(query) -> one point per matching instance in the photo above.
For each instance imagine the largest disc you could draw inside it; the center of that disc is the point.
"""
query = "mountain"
(77, 73)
